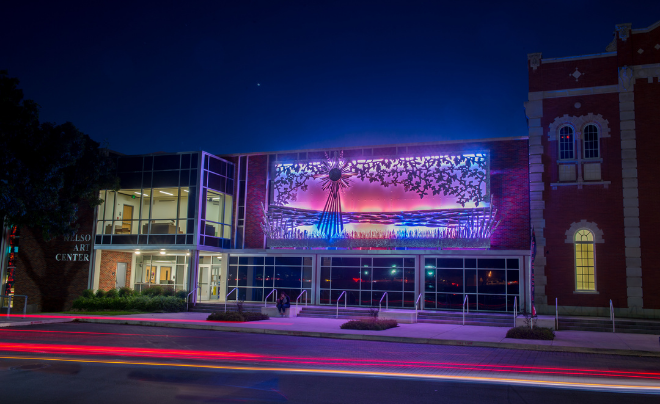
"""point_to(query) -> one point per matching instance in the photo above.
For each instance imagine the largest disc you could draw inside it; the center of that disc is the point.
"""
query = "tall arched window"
(584, 260)
(590, 133)
(566, 144)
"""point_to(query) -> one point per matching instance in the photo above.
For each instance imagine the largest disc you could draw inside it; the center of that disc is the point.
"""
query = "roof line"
(494, 139)
(589, 56)
(647, 29)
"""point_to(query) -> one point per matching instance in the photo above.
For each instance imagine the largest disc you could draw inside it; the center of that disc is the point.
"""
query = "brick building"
(593, 131)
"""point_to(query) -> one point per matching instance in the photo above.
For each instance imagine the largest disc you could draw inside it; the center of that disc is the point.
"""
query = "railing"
(556, 315)
(188, 299)
(386, 301)
(612, 316)
(274, 297)
(417, 302)
(338, 299)
(304, 292)
(9, 304)
(232, 291)
(515, 310)
(466, 302)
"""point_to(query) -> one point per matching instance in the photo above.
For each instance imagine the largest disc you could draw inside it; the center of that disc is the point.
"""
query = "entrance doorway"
(203, 284)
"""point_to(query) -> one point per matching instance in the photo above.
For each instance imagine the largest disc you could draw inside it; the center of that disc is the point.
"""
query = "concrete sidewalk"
(420, 333)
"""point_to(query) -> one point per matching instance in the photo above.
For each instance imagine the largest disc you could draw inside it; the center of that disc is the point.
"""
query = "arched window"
(590, 134)
(566, 144)
(584, 260)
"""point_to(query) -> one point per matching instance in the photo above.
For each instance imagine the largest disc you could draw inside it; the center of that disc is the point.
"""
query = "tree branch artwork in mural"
(462, 176)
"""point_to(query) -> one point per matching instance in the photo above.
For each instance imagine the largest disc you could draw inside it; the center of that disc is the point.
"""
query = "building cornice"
(579, 57)
(573, 92)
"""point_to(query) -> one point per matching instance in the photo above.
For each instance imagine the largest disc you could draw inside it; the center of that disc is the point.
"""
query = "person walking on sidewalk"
(283, 303)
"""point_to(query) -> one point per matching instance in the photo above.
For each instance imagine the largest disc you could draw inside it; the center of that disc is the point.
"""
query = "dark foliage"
(112, 293)
(124, 292)
(523, 332)
(46, 170)
(369, 324)
(236, 316)
(88, 293)
(128, 303)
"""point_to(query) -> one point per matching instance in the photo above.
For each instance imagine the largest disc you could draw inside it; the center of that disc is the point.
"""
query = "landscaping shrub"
(130, 303)
(112, 293)
(523, 332)
(153, 291)
(124, 292)
(236, 316)
(88, 293)
(167, 292)
(369, 324)
(100, 293)
(181, 294)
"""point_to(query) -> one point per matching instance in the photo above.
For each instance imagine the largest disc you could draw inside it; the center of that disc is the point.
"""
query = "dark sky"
(243, 76)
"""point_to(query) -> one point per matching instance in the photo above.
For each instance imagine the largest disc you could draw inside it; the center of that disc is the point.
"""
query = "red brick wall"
(257, 176)
(50, 283)
(558, 75)
(647, 115)
(109, 260)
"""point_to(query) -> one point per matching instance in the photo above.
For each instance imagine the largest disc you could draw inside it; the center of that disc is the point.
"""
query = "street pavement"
(75, 362)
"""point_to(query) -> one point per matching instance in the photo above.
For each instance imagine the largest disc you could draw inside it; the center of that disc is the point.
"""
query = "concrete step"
(605, 325)
(468, 322)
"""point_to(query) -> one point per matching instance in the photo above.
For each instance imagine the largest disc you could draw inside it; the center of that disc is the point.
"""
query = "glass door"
(203, 285)
(215, 282)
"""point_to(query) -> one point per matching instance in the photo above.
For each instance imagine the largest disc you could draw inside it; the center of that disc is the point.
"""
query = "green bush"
(130, 303)
(124, 292)
(153, 291)
(181, 294)
(112, 293)
(369, 324)
(168, 292)
(523, 332)
(88, 293)
(100, 293)
(236, 316)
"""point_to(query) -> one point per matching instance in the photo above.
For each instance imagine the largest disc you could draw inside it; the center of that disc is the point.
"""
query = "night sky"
(247, 76)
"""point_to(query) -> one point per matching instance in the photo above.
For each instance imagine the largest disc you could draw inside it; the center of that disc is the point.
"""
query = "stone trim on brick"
(583, 224)
(578, 123)
(630, 193)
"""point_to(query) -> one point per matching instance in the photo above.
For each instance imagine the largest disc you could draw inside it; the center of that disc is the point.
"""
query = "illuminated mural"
(423, 202)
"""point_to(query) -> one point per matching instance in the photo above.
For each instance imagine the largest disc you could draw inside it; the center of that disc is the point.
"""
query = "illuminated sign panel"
(400, 199)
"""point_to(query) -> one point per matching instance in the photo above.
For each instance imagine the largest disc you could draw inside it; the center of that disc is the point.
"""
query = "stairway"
(456, 317)
(231, 306)
(603, 324)
(331, 312)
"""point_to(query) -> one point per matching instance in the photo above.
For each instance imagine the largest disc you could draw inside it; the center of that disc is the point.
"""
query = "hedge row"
(125, 292)
(531, 333)
(369, 324)
(236, 316)
(128, 303)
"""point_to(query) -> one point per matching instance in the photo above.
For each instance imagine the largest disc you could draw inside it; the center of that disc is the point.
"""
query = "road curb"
(380, 338)
(35, 322)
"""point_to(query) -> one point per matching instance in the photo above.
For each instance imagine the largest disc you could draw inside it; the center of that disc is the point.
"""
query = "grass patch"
(371, 324)
(523, 332)
(236, 316)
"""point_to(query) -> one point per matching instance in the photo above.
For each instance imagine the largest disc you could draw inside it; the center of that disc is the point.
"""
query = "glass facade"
(256, 277)
(365, 280)
(218, 202)
(167, 271)
(490, 283)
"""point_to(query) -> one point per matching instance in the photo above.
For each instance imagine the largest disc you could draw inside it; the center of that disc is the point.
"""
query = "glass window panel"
(409, 279)
(470, 263)
(324, 296)
(164, 203)
(307, 277)
(160, 227)
(345, 278)
(171, 162)
(226, 232)
(243, 275)
(566, 143)
(288, 260)
(364, 262)
(229, 208)
(492, 281)
(429, 279)
(165, 179)
(325, 277)
(388, 262)
(269, 277)
(450, 263)
(183, 202)
(387, 278)
(451, 301)
(232, 275)
(450, 280)
(109, 205)
(492, 303)
(255, 260)
(513, 282)
(307, 261)
(216, 182)
(470, 281)
(492, 263)
(429, 300)
(288, 277)
(513, 263)
(409, 262)
(129, 164)
(590, 134)
(430, 263)
(345, 262)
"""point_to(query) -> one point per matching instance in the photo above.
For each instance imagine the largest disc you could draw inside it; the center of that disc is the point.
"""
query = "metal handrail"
(465, 301)
(305, 293)
(274, 297)
(338, 299)
(232, 291)
(9, 304)
(416, 302)
(386, 301)
(515, 310)
(188, 297)
(556, 315)
(612, 316)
